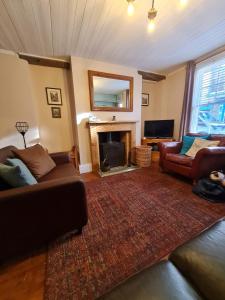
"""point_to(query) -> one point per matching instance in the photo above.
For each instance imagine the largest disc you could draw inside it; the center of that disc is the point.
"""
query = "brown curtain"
(188, 93)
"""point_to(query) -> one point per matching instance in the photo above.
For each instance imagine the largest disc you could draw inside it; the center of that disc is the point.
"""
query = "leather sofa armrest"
(60, 157)
(168, 147)
(207, 160)
(33, 215)
(201, 261)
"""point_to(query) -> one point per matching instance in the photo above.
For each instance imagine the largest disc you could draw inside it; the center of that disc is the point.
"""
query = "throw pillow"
(188, 141)
(4, 185)
(200, 144)
(36, 159)
(12, 175)
(25, 172)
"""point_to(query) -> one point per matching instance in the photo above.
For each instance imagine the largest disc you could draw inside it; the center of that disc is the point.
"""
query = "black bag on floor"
(209, 190)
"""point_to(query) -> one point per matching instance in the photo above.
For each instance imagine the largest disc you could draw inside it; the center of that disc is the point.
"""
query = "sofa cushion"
(188, 140)
(13, 176)
(202, 260)
(37, 159)
(162, 282)
(6, 152)
(218, 137)
(25, 172)
(4, 185)
(61, 171)
(200, 144)
(180, 159)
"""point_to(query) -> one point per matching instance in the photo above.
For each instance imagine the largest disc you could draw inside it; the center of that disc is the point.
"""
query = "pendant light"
(151, 17)
(130, 8)
(183, 3)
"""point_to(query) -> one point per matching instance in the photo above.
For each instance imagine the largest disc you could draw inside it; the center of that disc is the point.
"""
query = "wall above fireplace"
(80, 67)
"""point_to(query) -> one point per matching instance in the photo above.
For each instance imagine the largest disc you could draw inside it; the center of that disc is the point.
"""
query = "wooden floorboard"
(24, 279)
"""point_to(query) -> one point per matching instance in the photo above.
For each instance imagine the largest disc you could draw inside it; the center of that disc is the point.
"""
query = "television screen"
(159, 129)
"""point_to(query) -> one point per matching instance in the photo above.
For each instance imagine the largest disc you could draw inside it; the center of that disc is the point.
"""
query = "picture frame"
(54, 96)
(145, 99)
(56, 112)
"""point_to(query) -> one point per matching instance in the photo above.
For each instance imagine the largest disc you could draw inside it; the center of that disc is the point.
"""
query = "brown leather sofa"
(206, 160)
(31, 216)
(193, 271)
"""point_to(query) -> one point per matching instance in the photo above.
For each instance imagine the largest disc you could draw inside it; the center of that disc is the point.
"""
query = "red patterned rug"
(135, 219)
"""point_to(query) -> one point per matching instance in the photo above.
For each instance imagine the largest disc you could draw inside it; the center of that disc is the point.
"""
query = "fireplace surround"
(127, 131)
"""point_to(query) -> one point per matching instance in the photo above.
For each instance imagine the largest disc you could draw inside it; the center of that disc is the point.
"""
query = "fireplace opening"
(112, 150)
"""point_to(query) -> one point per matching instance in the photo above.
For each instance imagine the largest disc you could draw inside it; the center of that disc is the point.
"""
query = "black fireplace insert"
(112, 150)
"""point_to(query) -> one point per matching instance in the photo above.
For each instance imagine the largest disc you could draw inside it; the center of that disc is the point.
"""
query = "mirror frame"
(91, 74)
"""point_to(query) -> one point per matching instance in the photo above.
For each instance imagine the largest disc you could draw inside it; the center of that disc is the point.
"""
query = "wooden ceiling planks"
(101, 29)
(27, 17)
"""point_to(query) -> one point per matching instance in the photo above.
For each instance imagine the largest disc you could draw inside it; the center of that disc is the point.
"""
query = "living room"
(112, 149)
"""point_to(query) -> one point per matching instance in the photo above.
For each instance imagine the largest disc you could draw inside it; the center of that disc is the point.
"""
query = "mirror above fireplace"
(110, 92)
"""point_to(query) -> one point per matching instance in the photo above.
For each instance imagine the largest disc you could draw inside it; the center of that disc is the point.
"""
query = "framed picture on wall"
(145, 99)
(54, 96)
(56, 112)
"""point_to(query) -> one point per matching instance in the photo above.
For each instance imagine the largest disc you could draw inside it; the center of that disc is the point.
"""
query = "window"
(208, 103)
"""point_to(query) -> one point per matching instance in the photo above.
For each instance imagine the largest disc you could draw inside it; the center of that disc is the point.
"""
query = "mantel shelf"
(110, 122)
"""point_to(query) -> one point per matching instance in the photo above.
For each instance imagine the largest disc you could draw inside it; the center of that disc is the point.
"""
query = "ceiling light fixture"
(152, 13)
(151, 17)
(130, 8)
(183, 3)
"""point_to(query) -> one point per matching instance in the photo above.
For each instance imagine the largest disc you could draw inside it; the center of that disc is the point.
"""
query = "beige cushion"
(37, 160)
(200, 144)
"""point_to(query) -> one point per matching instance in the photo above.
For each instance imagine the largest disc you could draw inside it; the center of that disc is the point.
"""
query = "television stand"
(153, 142)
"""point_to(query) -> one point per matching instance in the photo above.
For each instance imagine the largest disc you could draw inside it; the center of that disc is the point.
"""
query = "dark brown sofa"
(31, 216)
(194, 271)
(206, 160)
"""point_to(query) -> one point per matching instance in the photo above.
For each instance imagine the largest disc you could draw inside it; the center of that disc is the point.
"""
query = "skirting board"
(85, 168)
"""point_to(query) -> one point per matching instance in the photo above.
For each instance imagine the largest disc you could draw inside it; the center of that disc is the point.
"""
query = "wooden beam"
(151, 76)
(44, 61)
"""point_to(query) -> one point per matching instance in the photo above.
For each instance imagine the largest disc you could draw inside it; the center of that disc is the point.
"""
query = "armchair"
(206, 160)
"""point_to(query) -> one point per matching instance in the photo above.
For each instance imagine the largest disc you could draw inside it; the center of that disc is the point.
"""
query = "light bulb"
(151, 25)
(130, 9)
(183, 3)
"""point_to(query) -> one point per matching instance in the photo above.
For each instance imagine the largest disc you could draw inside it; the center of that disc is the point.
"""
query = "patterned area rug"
(135, 219)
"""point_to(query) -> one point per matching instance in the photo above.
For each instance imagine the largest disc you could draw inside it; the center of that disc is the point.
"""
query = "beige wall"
(166, 99)
(23, 98)
(81, 91)
(55, 133)
(16, 101)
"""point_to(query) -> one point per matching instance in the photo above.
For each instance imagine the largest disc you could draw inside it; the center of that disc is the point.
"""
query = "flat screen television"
(159, 129)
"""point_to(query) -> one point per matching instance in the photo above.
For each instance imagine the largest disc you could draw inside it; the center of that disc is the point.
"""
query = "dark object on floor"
(135, 219)
(209, 190)
(33, 215)
(194, 271)
(205, 161)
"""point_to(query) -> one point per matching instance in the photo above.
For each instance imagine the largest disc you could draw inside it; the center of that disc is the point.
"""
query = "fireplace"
(112, 150)
(106, 136)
